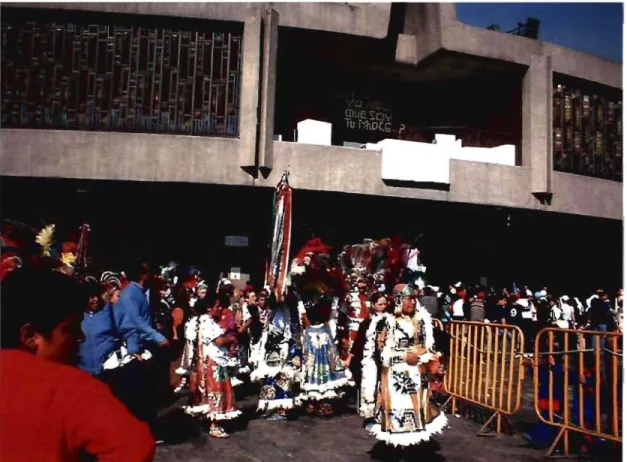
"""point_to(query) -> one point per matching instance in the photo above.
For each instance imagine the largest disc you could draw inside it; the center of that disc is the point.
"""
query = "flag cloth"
(277, 266)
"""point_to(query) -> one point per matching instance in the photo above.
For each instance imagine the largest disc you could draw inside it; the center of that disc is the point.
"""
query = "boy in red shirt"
(50, 410)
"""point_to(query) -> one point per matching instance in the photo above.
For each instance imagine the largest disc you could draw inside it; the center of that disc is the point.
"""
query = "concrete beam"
(537, 123)
(363, 19)
(120, 156)
(249, 92)
(268, 91)
(333, 169)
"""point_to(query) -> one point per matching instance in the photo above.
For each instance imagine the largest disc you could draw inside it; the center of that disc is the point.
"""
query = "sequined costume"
(210, 384)
(324, 374)
(279, 362)
(404, 413)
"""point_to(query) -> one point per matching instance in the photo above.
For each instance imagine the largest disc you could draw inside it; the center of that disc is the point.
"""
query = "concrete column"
(249, 92)
(537, 129)
(268, 91)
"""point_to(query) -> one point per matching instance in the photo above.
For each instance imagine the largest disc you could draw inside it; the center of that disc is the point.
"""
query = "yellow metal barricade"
(438, 324)
(577, 382)
(485, 368)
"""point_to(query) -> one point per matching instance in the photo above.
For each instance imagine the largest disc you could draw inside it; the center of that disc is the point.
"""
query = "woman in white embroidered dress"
(404, 414)
(208, 360)
(366, 354)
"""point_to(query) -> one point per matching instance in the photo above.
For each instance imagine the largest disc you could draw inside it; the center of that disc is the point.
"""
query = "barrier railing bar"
(597, 385)
(566, 392)
(581, 340)
(584, 350)
(615, 370)
(551, 343)
(481, 363)
(502, 384)
(512, 351)
(495, 367)
(474, 367)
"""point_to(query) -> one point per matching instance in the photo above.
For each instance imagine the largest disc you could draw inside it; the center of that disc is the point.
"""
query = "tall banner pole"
(276, 268)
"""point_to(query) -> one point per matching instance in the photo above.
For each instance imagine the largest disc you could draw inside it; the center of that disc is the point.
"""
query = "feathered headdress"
(45, 240)
(312, 274)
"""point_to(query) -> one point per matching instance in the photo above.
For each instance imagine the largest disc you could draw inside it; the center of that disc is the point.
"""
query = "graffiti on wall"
(367, 115)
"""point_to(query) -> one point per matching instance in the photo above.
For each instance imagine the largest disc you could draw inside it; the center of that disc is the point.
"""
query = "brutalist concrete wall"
(120, 156)
(365, 19)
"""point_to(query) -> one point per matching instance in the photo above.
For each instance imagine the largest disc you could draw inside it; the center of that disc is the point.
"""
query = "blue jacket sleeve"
(141, 316)
(126, 326)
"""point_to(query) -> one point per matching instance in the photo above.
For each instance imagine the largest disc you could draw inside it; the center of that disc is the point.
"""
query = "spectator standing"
(457, 308)
(477, 306)
(134, 317)
(51, 411)
(99, 329)
(430, 302)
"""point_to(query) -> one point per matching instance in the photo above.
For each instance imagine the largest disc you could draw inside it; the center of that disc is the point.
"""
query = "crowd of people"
(523, 308)
(361, 321)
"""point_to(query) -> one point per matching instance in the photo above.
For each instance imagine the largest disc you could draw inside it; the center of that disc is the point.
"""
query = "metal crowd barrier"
(485, 368)
(577, 382)
(438, 324)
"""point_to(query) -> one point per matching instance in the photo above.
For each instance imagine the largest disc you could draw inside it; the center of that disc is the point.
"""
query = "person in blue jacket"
(134, 315)
(99, 328)
(134, 319)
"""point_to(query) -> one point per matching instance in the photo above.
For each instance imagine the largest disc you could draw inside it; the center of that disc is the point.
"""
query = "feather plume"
(68, 259)
(44, 239)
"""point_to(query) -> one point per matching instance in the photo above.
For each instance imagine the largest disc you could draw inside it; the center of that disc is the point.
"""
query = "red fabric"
(50, 412)
(545, 405)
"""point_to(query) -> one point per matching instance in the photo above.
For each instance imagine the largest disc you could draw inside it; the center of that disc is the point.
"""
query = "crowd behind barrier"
(577, 379)
(577, 382)
(485, 368)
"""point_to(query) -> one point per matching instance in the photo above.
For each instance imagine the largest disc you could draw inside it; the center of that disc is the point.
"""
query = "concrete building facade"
(430, 37)
(425, 73)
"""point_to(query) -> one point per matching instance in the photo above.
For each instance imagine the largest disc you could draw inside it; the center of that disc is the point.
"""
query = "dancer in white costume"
(404, 414)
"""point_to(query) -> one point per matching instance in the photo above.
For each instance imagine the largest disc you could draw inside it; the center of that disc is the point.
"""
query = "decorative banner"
(276, 270)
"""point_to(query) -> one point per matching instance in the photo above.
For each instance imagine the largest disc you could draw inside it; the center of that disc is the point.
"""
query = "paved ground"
(342, 439)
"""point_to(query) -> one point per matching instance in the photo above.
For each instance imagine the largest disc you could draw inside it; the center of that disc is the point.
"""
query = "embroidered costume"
(212, 393)
(323, 372)
(371, 362)
(279, 362)
(404, 413)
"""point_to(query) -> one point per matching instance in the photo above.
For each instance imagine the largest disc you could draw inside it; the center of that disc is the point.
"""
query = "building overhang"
(432, 30)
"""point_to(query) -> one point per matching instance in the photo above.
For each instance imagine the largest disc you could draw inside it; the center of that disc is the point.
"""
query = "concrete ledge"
(582, 195)
(365, 19)
(358, 171)
(120, 156)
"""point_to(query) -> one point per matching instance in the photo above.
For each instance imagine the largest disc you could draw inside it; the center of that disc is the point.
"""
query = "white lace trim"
(343, 382)
(315, 396)
(410, 438)
(205, 410)
(265, 371)
(269, 405)
(368, 367)
(428, 321)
